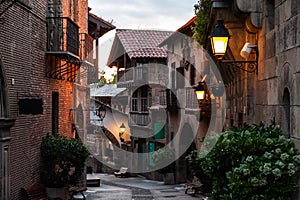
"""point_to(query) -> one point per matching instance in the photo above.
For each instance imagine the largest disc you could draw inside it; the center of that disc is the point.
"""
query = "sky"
(144, 14)
(163, 15)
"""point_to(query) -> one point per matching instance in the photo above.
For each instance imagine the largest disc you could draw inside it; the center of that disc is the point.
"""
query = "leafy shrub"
(63, 160)
(255, 162)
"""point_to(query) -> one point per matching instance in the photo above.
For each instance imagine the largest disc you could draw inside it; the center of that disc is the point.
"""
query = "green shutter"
(159, 130)
(151, 149)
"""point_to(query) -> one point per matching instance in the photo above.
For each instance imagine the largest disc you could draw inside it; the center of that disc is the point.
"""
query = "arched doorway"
(183, 172)
(286, 116)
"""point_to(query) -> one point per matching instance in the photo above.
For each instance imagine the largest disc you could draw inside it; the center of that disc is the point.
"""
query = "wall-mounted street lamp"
(122, 131)
(219, 41)
(200, 91)
(101, 112)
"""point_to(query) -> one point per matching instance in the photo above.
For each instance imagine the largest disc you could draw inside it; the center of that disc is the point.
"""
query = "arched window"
(3, 93)
(286, 117)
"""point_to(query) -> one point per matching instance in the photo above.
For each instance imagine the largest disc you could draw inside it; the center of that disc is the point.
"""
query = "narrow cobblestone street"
(136, 188)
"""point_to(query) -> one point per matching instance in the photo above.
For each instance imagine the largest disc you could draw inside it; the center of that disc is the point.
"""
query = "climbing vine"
(202, 11)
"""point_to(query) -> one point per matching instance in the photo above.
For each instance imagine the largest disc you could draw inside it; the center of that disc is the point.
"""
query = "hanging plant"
(202, 11)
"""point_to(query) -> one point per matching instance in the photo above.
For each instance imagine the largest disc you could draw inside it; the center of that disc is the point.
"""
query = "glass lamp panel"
(219, 45)
(200, 94)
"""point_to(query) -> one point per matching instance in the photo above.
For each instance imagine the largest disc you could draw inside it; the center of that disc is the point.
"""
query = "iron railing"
(62, 35)
(151, 73)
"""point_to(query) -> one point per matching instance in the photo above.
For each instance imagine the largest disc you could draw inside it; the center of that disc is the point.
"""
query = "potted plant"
(161, 156)
(63, 162)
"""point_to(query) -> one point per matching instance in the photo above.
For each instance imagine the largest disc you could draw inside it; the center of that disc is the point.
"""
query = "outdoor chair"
(122, 172)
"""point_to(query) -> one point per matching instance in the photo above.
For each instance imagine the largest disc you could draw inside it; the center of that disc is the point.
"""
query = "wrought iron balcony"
(63, 60)
(63, 35)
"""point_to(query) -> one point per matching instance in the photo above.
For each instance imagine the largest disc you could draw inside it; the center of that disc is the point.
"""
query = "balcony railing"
(62, 35)
(139, 118)
(150, 73)
(86, 47)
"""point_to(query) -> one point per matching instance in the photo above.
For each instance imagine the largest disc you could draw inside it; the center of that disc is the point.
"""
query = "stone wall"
(279, 66)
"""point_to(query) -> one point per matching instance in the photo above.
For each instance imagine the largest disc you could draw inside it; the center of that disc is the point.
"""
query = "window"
(270, 18)
(287, 112)
(180, 77)
(192, 75)
(134, 102)
(144, 100)
(140, 100)
(3, 95)
(173, 66)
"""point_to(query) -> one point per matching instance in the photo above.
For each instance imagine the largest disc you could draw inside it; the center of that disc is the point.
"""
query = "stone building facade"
(268, 90)
(273, 90)
(40, 61)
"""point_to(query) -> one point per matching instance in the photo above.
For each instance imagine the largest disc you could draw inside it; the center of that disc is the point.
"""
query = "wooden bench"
(122, 172)
(194, 187)
(34, 192)
(73, 191)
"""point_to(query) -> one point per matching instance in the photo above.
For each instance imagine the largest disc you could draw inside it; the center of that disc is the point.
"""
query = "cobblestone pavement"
(136, 188)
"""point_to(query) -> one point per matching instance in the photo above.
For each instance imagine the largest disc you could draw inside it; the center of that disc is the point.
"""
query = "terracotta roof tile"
(143, 43)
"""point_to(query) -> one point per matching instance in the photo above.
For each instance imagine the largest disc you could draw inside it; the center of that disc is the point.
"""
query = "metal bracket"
(240, 64)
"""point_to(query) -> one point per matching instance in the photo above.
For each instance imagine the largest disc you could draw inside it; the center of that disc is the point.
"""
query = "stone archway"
(5, 124)
(285, 97)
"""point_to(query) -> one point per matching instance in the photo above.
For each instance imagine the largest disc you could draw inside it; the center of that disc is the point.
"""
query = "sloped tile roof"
(143, 43)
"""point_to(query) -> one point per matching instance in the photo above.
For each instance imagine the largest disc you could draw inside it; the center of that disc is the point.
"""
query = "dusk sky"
(166, 15)
(140, 14)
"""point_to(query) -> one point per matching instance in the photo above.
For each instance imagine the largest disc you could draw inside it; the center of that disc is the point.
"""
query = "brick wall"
(22, 46)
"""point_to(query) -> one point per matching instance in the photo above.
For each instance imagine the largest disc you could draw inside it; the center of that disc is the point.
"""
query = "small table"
(92, 180)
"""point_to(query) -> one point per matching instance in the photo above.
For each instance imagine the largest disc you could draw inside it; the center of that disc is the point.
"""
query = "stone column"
(5, 125)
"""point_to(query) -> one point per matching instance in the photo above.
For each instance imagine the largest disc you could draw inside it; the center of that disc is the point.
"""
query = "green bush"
(255, 162)
(63, 160)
